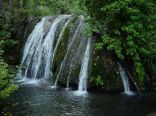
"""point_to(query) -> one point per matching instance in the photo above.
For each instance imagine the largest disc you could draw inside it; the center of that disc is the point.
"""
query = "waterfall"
(84, 69)
(82, 88)
(56, 49)
(79, 28)
(67, 85)
(125, 80)
(38, 50)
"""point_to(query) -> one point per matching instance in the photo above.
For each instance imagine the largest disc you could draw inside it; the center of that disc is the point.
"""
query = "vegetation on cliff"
(126, 29)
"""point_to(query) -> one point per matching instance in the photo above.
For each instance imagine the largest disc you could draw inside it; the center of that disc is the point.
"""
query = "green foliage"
(114, 44)
(5, 35)
(128, 27)
(4, 29)
(6, 78)
(46, 7)
(64, 6)
(6, 86)
(15, 13)
(98, 80)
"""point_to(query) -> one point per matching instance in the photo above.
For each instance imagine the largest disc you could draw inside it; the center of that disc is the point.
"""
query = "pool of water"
(43, 101)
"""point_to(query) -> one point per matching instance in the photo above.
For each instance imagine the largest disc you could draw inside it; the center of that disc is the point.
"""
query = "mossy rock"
(62, 47)
(104, 72)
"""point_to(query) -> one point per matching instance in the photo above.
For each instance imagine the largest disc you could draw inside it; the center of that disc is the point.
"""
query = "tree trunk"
(11, 10)
(134, 82)
(11, 5)
(36, 2)
(1, 6)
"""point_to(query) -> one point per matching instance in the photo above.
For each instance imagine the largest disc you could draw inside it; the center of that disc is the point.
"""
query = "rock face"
(67, 55)
(104, 72)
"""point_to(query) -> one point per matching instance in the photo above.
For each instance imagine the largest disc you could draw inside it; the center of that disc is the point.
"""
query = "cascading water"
(67, 84)
(60, 53)
(34, 38)
(125, 80)
(57, 48)
(84, 69)
(79, 28)
(82, 88)
(38, 50)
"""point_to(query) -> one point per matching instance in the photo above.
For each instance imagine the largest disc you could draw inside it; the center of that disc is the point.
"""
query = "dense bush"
(6, 76)
(128, 28)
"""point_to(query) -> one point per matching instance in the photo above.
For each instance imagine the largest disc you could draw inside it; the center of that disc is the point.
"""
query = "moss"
(62, 47)
(60, 53)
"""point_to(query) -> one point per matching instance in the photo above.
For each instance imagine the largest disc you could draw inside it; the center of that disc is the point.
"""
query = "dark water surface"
(39, 101)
